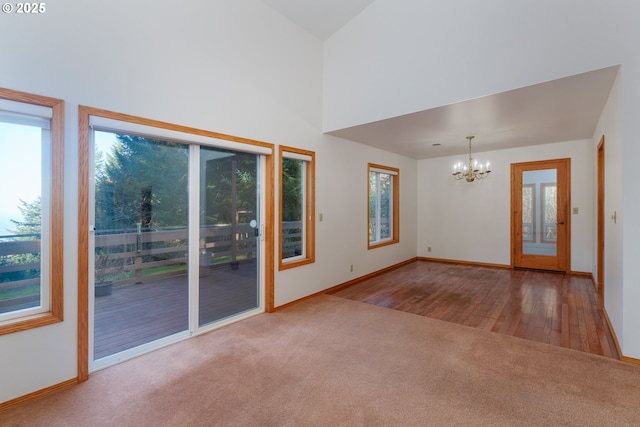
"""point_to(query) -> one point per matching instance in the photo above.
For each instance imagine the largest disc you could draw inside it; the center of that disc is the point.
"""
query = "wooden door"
(541, 224)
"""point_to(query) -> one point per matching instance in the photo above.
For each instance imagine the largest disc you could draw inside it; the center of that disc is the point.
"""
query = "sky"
(104, 141)
(20, 170)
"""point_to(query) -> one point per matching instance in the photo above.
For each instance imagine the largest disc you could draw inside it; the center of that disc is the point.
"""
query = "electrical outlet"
(351, 268)
(429, 249)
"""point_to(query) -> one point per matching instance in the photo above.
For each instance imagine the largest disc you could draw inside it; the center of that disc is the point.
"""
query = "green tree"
(144, 181)
(31, 223)
(219, 167)
(292, 194)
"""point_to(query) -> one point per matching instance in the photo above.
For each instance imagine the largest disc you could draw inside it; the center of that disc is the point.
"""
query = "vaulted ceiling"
(566, 109)
(321, 18)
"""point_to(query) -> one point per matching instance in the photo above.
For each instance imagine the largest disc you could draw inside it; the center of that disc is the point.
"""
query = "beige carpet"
(334, 362)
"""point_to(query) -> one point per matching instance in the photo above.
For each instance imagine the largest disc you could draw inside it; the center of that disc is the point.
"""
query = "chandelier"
(472, 170)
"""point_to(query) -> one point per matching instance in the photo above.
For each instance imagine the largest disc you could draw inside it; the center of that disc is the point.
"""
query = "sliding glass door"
(229, 234)
(141, 241)
(148, 287)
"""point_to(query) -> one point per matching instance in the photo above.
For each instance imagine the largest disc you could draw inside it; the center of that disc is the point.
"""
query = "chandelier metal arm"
(472, 170)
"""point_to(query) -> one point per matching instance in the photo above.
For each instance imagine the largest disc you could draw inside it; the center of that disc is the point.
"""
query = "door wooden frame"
(562, 262)
(84, 173)
(600, 248)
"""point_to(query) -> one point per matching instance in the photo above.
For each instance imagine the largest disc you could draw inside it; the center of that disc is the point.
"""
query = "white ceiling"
(566, 109)
(321, 18)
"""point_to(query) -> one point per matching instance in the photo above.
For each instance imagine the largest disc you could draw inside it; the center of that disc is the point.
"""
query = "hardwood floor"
(553, 308)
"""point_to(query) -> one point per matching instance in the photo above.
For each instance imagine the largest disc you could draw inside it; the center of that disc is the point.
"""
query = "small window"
(384, 184)
(297, 200)
(31, 153)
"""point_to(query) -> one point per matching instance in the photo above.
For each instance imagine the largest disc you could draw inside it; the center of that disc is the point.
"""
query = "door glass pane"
(539, 207)
(229, 221)
(141, 201)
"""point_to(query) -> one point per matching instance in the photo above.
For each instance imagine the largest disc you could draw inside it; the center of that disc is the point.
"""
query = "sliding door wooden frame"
(83, 215)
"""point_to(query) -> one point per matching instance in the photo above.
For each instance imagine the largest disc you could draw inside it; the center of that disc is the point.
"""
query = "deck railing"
(134, 256)
(291, 238)
(147, 255)
(19, 271)
(385, 228)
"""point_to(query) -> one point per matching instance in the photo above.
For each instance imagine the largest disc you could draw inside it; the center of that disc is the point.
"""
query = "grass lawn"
(25, 291)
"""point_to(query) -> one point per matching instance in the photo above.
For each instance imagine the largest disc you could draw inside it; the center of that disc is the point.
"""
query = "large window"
(383, 207)
(31, 162)
(296, 207)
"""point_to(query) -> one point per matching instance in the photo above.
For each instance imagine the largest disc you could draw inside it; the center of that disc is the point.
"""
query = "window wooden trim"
(84, 116)
(56, 261)
(310, 201)
(395, 221)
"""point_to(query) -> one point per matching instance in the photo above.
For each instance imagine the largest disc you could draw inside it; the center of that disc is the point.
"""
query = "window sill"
(25, 323)
(284, 265)
(384, 243)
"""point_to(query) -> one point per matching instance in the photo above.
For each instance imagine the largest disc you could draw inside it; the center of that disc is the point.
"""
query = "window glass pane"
(380, 206)
(21, 162)
(550, 212)
(293, 204)
(373, 206)
(528, 212)
(386, 199)
(297, 207)
(550, 204)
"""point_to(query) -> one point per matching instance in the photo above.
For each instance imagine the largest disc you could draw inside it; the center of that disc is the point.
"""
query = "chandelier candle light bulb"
(472, 170)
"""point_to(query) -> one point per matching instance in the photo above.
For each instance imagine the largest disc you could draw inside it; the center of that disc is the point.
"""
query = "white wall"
(629, 231)
(231, 67)
(610, 126)
(471, 221)
(403, 56)
(342, 236)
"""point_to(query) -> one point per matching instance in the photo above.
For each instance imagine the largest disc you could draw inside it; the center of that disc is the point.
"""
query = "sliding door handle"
(560, 222)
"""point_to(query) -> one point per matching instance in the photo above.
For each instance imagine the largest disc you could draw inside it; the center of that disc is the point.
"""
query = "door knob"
(560, 222)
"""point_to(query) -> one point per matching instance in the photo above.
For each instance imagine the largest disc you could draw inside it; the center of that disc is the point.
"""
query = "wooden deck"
(139, 313)
(552, 308)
